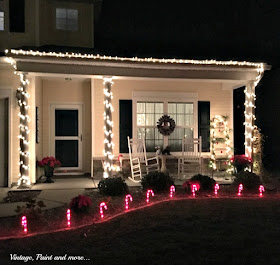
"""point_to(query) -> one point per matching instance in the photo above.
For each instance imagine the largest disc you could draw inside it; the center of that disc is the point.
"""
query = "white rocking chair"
(138, 157)
(191, 157)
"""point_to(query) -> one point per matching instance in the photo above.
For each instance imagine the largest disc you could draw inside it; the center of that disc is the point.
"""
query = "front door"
(67, 135)
(4, 103)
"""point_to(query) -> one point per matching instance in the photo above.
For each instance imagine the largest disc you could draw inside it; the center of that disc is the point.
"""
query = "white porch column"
(108, 127)
(250, 118)
(24, 127)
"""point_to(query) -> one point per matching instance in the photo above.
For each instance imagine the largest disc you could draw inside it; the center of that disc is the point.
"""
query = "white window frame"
(1, 11)
(67, 20)
(165, 98)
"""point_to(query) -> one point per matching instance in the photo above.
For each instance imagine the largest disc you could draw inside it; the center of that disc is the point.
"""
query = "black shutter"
(204, 124)
(125, 124)
(17, 17)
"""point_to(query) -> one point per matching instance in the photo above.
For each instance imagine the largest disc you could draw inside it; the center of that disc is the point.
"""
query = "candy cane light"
(261, 189)
(240, 188)
(172, 191)
(128, 198)
(68, 217)
(24, 223)
(101, 206)
(194, 189)
(217, 187)
(148, 195)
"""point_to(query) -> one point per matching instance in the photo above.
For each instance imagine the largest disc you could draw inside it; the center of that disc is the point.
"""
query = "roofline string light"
(133, 59)
(108, 128)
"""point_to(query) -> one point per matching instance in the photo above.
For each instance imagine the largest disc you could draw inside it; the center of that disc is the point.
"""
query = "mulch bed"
(55, 219)
(20, 196)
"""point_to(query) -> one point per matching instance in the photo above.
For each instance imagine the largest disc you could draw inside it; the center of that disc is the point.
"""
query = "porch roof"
(97, 65)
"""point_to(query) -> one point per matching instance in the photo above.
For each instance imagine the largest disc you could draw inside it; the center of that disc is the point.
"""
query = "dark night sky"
(242, 30)
(198, 29)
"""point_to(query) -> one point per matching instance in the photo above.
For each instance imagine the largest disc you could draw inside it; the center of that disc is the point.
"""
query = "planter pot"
(49, 174)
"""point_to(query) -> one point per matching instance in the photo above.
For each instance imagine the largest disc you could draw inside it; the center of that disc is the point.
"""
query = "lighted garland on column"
(24, 167)
(108, 128)
(220, 123)
(250, 98)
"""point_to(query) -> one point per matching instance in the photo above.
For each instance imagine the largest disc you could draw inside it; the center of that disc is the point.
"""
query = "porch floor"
(74, 182)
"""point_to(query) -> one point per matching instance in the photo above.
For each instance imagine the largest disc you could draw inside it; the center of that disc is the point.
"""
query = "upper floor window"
(1, 20)
(17, 16)
(67, 19)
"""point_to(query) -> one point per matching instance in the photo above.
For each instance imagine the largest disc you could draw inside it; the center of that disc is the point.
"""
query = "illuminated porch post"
(250, 107)
(24, 127)
(108, 127)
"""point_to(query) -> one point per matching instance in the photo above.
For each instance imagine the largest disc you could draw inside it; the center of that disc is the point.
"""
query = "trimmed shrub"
(249, 180)
(206, 183)
(157, 181)
(112, 186)
(80, 204)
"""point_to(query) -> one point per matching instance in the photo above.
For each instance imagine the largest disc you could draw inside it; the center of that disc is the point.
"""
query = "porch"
(80, 89)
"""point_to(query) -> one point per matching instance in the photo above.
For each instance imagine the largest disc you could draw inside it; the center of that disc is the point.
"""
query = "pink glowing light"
(128, 198)
(148, 195)
(24, 223)
(68, 217)
(172, 191)
(240, 188)
(101, 206)
(261, 189)
(217, 187)
(194, 189)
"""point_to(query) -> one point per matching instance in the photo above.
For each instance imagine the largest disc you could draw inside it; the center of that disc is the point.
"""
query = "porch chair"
(138, 157)
(191, 157)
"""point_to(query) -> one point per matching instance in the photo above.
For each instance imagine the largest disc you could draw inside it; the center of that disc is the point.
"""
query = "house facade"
(80, 107)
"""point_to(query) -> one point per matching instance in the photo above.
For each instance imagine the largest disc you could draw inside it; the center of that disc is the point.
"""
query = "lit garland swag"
(220, 134)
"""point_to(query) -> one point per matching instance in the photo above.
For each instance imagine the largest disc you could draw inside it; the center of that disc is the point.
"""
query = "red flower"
(49, 162)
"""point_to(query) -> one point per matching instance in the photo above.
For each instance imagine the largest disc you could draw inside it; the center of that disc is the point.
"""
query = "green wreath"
(166, 125)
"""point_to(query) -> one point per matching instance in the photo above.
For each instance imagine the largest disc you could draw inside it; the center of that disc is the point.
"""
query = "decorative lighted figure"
(148, 195)
(24, 223)
(240, 188)
(172, 191)
(217, 187)
(261, 189)
(101, 206)
(194, 189)
(68, 216)
(128, 198)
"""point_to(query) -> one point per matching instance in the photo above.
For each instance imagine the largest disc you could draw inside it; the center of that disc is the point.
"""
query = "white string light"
(133, 59)
(108, 128)
(250, 98)
(24, 153)
(220, 123)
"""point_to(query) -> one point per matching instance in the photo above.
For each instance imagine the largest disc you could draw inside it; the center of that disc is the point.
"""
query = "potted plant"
(240, 162)
(49, 164)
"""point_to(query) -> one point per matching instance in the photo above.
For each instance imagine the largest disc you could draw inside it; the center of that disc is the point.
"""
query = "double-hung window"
(148, 112)
(183, 115)
(67, 19)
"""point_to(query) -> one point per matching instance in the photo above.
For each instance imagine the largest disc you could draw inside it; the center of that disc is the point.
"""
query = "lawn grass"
(193, 231)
